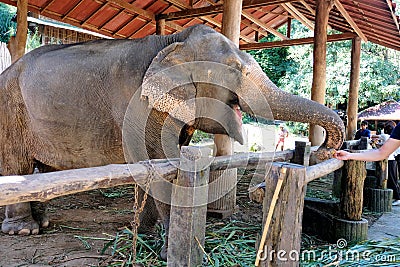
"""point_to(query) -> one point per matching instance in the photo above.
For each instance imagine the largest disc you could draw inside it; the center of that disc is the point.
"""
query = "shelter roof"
(372, 20)
(386, 111)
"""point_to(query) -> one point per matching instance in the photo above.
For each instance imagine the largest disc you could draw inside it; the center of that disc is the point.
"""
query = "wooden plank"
(348, 18)
(211, 10)
(301, 41)
(188, 210)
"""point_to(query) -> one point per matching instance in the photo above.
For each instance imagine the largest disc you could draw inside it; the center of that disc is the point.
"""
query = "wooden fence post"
(282, 245)
(302, 153)
(380, 199)
(351, 226)
(189, 209)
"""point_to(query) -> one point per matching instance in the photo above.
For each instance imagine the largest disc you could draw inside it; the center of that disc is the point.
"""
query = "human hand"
(342, 155)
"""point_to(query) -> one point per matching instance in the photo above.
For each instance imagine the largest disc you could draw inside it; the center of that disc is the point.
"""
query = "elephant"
(64, 106)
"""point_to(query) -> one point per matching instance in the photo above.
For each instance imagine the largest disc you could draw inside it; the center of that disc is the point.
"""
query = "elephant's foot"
(19, 220)
(39, 214)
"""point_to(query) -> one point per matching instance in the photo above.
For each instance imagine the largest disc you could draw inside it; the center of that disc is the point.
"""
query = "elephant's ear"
(167, 84)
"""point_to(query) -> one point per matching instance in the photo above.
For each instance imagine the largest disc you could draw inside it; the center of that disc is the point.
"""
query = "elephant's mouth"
(228, 122)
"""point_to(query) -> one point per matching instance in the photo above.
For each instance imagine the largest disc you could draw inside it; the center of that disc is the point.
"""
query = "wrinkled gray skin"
(62, 107)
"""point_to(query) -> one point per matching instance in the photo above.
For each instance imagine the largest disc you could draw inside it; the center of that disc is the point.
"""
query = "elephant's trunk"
(288, 107)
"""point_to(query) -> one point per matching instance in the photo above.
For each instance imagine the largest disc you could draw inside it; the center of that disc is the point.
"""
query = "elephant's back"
(76, 97)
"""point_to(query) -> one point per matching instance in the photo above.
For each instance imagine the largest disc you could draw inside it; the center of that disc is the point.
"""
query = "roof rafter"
(209, 19)
(298, 15)
(301, 41)
(346, 15)
(264, 26)
(210, 10)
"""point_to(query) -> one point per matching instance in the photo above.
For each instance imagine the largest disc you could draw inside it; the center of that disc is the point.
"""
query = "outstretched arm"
(373, 155)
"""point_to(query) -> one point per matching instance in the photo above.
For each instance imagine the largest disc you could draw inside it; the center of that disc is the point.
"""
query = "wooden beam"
(301, 41)
(209, 19)
(346, 15)
(309, 8)
(134, 9)
(260, 23)
(298, 15)
(210, 10)
(46, 186)
(255, 27)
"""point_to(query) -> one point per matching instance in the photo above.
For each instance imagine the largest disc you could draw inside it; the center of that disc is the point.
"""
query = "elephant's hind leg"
(15, 155)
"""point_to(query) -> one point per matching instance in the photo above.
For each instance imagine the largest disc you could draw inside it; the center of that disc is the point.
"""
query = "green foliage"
(379, 71)
(274, 62)
(7, 27)
(200, 136)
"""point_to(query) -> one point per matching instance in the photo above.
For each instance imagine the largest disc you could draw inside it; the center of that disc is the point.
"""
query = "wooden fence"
(283, 234)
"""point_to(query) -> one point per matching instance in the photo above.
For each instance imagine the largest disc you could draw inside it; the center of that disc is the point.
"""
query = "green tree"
(7, 27)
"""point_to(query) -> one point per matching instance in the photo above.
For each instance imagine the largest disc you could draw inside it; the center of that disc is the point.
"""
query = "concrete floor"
(387, 226)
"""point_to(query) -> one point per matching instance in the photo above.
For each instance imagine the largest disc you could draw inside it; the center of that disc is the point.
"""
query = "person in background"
(393, 177)
(390, 146)
(363, 131)
(282, 134)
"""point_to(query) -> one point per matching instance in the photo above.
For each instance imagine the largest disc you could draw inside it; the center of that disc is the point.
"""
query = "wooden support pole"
(285, 231)
(222, 180)
(351, 200)
(382, 173)
(319, 65)
(189, 209)
(352, 105)
(22, 28)
(231, 20)
(160, 27)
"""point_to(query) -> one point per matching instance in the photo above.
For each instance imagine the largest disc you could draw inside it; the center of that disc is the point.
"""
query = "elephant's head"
(204, 79)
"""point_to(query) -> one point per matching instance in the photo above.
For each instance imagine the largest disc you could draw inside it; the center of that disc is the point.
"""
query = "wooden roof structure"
(372, 20)
(386, 111)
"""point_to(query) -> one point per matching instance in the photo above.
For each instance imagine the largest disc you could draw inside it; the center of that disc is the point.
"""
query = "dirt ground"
(82, 224)
(76, 222)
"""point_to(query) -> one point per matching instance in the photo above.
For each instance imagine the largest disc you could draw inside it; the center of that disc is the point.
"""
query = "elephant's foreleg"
(19, 220)
(149, 216)
(164, 211)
